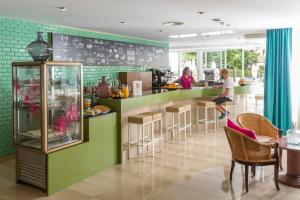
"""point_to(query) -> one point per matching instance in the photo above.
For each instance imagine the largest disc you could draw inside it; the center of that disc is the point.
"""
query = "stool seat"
(228, 103)
(178, 108)
(206, 103)
(259, 97)
(155, 115)
(139, 119)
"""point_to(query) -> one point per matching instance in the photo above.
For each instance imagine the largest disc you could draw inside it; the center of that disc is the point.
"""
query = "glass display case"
(47, 105)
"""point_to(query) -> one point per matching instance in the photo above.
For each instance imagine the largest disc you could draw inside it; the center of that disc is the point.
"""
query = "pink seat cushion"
(245, 131)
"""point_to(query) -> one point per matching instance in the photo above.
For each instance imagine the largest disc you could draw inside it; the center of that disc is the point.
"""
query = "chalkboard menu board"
(99, 52)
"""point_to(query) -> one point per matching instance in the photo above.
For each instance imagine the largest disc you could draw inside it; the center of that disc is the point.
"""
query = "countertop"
(153, 97)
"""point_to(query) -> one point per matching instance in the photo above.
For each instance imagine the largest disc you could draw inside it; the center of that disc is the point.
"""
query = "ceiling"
(144, 18)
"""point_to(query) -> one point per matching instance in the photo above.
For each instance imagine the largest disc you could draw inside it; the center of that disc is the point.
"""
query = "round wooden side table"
(292, 175)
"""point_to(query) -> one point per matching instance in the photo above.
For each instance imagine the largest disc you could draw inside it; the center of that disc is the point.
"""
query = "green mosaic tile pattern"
(15, 35)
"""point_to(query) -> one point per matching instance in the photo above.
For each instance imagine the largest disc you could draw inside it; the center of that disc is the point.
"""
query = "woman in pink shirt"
(187, 79)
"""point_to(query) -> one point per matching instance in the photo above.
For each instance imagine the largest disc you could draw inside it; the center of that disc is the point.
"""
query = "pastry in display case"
(47, 105)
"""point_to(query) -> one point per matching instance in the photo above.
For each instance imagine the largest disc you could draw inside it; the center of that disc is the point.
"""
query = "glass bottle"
(39, 50)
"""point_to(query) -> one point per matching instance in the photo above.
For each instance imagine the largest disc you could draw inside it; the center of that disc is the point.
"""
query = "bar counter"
(156, 101)
(153, 97)
(105, 136)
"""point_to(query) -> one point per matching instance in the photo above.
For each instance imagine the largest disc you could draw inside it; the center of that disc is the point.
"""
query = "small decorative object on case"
(39, 50)
(103, 89)
(137, 88)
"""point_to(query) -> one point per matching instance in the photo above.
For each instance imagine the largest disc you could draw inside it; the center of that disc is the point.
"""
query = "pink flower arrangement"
(62, 125)
(35, 107)
(72, 113)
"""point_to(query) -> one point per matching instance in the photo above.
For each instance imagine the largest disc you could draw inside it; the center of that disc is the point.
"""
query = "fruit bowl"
(242, 82)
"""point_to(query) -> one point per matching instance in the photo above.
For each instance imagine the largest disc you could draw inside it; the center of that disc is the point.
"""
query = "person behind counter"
(227, 95)
(187, 79)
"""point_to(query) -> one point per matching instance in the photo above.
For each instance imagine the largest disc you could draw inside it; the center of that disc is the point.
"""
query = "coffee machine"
(211, 75)
(160, 78)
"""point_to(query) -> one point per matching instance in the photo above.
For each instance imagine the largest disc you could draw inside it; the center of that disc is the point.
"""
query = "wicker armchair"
(262, 126)
(264, 129)
(250, 152)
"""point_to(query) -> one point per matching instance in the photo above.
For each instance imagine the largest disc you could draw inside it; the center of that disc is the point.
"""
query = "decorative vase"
(103, 89)
(39, 50)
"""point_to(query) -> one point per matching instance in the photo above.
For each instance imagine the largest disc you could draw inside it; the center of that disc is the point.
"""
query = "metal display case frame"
(44, 103)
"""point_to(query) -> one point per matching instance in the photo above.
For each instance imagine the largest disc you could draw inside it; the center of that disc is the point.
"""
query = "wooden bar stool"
(177, 111)
(157, 119)
(142, 138)
(258, 97)
(206, 106)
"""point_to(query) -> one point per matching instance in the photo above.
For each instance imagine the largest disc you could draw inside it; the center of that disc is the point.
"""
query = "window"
(189, 59)
(215, 59)
(174, 63)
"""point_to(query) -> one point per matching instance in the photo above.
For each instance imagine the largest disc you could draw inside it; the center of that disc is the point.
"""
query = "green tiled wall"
(15, 35)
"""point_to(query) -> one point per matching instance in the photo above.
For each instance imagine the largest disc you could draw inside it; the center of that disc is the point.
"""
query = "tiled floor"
(197, 168)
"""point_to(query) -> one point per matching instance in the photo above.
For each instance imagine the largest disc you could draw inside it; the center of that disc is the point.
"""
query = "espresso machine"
(211, 75)
(160, 78)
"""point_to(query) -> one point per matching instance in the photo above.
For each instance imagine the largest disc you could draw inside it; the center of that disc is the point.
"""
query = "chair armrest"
(260, 152)
(280, 131)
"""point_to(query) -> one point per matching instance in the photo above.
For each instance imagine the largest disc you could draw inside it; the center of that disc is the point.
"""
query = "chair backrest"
(236, 143)
(257, 123)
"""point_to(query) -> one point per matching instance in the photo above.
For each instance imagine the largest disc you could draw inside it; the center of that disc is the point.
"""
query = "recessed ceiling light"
(201, 13)
(160, 31)
(123, 22)
(173, 23)
(222, 23)
(227, 24)
(213, 33)
(62, 8)
(216, 19)
(183, 35)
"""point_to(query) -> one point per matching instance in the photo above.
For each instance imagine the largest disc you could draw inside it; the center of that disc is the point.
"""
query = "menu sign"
(100, 52)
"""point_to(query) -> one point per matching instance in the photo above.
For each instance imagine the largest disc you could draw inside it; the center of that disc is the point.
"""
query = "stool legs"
(197, 116)
(256, 105)
(152, 137)
(142, 135)
(161, 133)
(129, 140)
(178, 128)
(178, 124)
(173, 125)
(190, 125)
(143, 140)
(159, 139)
(226, 118)
(184, 118)
(206, 120)
(215, 117)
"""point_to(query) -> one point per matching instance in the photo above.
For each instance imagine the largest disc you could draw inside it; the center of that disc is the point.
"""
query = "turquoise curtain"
(278, 100)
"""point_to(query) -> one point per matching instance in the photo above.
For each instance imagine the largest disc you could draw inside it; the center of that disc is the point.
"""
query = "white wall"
(296, 74)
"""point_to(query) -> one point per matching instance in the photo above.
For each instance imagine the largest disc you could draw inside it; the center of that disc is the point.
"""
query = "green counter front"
(104, 136)
(99, 151)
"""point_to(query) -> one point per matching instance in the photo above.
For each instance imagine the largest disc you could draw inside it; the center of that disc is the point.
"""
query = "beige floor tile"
(67, 194)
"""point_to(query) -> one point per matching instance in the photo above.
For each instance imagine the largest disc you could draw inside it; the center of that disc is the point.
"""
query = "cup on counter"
(125, 91)
(87, 103)
(205, 84)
